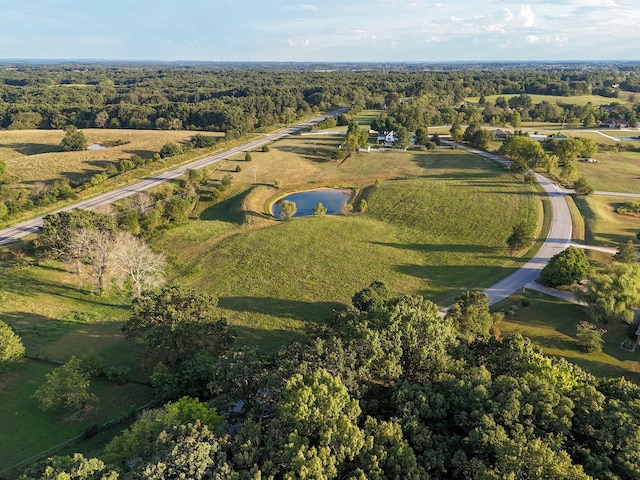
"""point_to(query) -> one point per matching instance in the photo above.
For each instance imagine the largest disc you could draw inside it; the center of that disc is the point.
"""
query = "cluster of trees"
(388, 389)
(97, 246)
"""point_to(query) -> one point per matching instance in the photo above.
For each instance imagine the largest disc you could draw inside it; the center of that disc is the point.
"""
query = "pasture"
(426, 232)
(575, 100)
(35, 156)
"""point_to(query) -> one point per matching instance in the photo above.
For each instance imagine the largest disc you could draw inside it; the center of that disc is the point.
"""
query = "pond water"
(332, 199)
(96, 146)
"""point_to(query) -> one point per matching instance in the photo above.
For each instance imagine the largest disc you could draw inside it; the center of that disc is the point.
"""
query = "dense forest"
(242, 98)
(389, 389)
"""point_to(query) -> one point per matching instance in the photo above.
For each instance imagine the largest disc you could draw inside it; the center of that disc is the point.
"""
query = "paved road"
(31, 226)
(558, 239)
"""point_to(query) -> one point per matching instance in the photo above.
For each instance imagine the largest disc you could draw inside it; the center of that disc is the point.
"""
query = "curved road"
(15, 232)
(558, 239)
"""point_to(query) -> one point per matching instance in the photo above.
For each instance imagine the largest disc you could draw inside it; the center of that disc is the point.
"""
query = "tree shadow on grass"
(322, 155)
(485, 251)
(278, 307)
(33, 148)
(229, 210)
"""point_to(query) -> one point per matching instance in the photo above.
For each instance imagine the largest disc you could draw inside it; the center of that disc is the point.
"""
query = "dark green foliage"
(170, 150)
(629, 207)
(521, 236)
(470, 315)
(530, 178)
(566, 267)
(422, 135)
(3, 168)
(614, 292)
(626, 253)
(523, 152)
(76, 467)
(319, 209)
(74, 140)
(590, 337)
(203, 141)
(372, 297)
(66, 387)
(238, 168)
(175, 323)
(265, 148)
(120, 375)
(247, 157)
(11, 348)
(58, 228)
(582, 186)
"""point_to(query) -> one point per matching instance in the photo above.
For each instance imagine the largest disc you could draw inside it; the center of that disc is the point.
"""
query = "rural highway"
(15, 232)
(558, 239)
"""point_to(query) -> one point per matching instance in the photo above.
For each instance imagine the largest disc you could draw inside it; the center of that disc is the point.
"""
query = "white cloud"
(305, 7)
(527, 16)
(546, 39)
(299, 43)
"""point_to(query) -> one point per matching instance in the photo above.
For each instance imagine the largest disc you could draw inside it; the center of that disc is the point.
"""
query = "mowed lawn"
(551, 324)
(435, 226)
(613, 172)
(603, 226)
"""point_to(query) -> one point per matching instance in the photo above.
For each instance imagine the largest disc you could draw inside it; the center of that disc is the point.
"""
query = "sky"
(320, 30)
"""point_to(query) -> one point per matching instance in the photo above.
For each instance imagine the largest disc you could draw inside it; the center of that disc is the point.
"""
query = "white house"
(387, 138)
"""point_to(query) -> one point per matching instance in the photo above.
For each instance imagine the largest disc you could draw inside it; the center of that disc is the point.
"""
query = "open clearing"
(613, 172)
(603, 226)
(575, 100)
(426, 231)
(34, 155)
(551, 324)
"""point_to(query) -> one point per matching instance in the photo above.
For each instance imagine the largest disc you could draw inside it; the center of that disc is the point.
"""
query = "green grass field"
(575, 100)
(27, 431)
(34, 155)
(613, 172)
(425, 232)
(551, 324)
(603, 226)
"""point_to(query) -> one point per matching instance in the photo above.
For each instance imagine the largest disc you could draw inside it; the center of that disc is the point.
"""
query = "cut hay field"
(575, 100)
(603, 226)
(613, 172)
(35, 156)
(551, 324)
(427, 232)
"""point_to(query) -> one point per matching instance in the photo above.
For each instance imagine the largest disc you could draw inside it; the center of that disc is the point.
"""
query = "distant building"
(614, 123)
(538, 137)
(387, 138)
(500, 134)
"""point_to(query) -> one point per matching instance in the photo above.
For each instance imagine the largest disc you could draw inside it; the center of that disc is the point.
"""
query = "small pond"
(332, 199)
(96, 146)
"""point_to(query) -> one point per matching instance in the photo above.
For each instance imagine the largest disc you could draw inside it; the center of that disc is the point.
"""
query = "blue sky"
(321, 30)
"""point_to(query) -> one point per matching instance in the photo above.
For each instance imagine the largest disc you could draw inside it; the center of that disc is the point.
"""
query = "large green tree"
(74, 140)
(11, 348)
(66, 386)
(175, 322)
(523, 152)
(470, 315)
(521, 236)
(569, 266)
(614, 292)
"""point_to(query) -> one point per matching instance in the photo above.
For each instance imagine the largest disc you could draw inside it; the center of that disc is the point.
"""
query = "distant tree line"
(238, 100)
